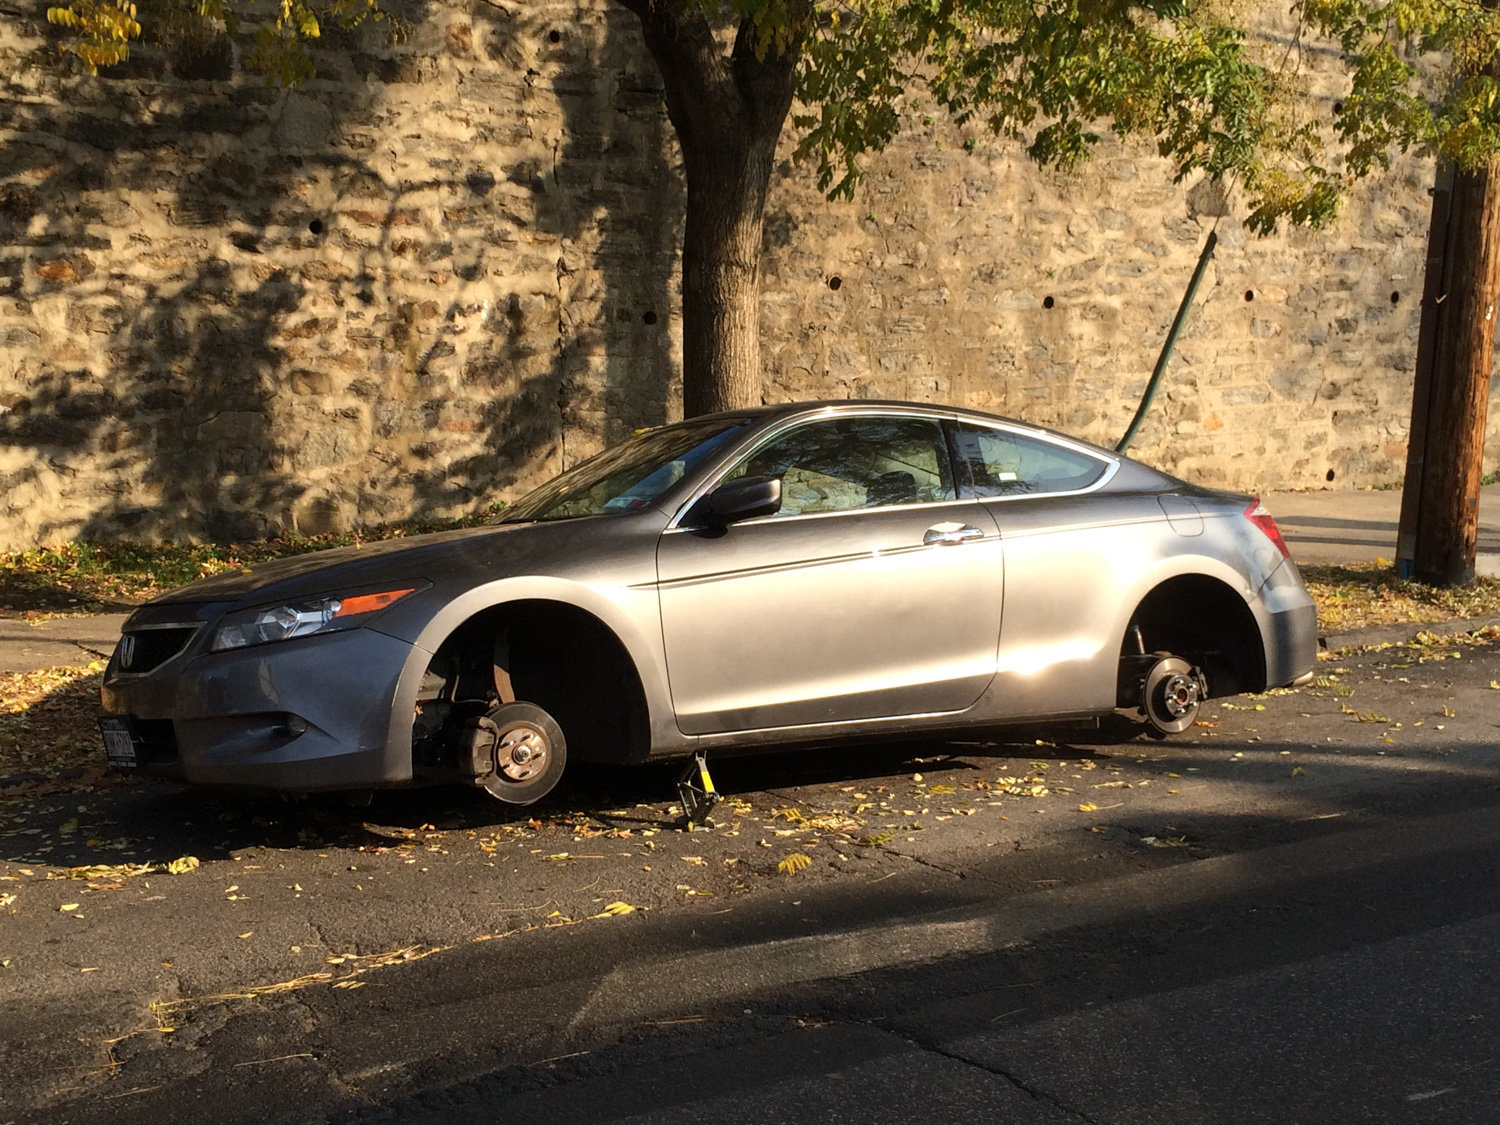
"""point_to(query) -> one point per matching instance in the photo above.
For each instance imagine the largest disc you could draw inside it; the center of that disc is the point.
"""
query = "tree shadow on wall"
(257, 358)
(579, 354)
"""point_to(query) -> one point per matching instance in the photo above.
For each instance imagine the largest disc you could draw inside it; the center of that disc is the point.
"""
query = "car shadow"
(110, 820)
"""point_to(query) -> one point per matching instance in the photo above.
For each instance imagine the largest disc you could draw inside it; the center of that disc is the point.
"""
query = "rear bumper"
(303, 715)
(1289, 626)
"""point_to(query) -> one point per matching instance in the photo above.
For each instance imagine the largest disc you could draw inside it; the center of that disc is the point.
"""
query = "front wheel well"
(1207, 624)
(555, 655)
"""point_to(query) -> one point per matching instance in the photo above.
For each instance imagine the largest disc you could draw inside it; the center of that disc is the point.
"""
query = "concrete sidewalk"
(57, 642)
(1343, 527)
(1320, 527)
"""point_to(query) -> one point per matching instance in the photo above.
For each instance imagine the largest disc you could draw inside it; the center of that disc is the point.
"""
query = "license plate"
(119, 743)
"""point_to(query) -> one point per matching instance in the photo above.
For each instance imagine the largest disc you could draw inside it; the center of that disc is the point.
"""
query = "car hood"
(428, 556)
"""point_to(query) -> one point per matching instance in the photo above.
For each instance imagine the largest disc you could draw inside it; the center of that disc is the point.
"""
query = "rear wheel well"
(1207, 624)
(557, 656)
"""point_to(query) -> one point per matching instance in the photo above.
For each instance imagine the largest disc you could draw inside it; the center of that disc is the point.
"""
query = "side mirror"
(744, 499)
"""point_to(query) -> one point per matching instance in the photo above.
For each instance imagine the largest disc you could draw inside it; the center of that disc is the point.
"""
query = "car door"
(1070, 552)
(874, 591)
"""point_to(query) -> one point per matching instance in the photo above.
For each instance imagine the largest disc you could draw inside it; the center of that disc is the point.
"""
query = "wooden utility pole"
(1456, 345)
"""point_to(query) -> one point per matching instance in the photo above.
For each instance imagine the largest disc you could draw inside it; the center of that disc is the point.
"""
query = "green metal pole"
(1166, 348)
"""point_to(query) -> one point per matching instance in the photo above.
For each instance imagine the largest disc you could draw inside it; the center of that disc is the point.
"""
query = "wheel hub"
(1179, 694)
(521, 752)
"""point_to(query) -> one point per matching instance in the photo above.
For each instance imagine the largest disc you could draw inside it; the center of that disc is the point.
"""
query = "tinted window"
(845, 463)
(1002, 463)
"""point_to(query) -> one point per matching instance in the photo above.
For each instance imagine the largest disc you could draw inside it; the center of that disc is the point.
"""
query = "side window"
(1002, 463)
(846, 463)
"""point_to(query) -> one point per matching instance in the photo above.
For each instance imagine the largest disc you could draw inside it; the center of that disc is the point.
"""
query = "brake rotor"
(1172, 694)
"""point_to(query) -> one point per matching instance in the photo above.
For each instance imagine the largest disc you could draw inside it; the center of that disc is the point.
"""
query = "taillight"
(1256, 513)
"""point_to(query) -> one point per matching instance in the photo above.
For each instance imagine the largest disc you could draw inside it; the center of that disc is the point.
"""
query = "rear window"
(1005, 463)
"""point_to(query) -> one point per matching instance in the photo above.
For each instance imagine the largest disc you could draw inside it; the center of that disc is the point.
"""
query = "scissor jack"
(696, 789)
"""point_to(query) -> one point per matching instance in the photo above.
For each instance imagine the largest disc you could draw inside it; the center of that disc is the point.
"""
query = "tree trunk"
(721, 245)
(728, 110)
(1457, 404)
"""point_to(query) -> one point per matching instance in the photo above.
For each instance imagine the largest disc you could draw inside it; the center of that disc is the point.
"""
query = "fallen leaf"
(1165, 841)
(183, 865)
(246, 934)
(794, 863)
(1297, 771)
(67, 906)
(615, 909)
(1088, 806)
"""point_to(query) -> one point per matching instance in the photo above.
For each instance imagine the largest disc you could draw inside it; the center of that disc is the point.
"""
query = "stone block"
(305, 382)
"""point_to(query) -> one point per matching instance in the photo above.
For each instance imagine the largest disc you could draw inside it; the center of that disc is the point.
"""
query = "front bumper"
(313, 713)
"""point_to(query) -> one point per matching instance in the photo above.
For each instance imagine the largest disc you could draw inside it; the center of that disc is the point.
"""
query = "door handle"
(950, 534)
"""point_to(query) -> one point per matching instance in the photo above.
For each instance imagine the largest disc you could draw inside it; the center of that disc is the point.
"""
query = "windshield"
(629, 476)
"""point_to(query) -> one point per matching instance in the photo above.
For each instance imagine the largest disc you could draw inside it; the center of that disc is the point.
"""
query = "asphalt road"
(1289, 915)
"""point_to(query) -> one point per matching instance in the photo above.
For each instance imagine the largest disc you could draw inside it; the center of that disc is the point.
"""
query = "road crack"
(999, 1072)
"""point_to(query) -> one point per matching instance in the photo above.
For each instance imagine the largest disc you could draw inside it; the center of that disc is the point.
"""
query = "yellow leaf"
(67, 906)
(349, 984)
(1297, 771)
(247, 933)
(794, 863)
(615, 909)
(1088, 806)
(183, 865)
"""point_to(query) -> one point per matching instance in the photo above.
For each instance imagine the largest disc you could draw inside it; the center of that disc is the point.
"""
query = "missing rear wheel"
(1171, 695)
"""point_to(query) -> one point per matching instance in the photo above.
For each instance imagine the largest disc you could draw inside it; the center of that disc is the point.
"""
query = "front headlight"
(302, 619)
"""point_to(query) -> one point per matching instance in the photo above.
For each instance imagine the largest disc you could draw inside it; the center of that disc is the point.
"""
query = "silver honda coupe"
(758, 579)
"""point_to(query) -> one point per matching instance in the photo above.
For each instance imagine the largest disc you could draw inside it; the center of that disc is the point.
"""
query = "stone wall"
(445, 269)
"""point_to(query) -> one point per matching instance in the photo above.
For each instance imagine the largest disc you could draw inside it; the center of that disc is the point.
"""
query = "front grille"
(151, 648)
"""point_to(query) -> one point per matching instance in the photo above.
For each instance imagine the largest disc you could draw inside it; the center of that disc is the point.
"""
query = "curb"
(1402, 634)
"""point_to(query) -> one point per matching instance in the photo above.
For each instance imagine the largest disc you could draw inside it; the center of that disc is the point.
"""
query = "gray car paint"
(772, 631)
